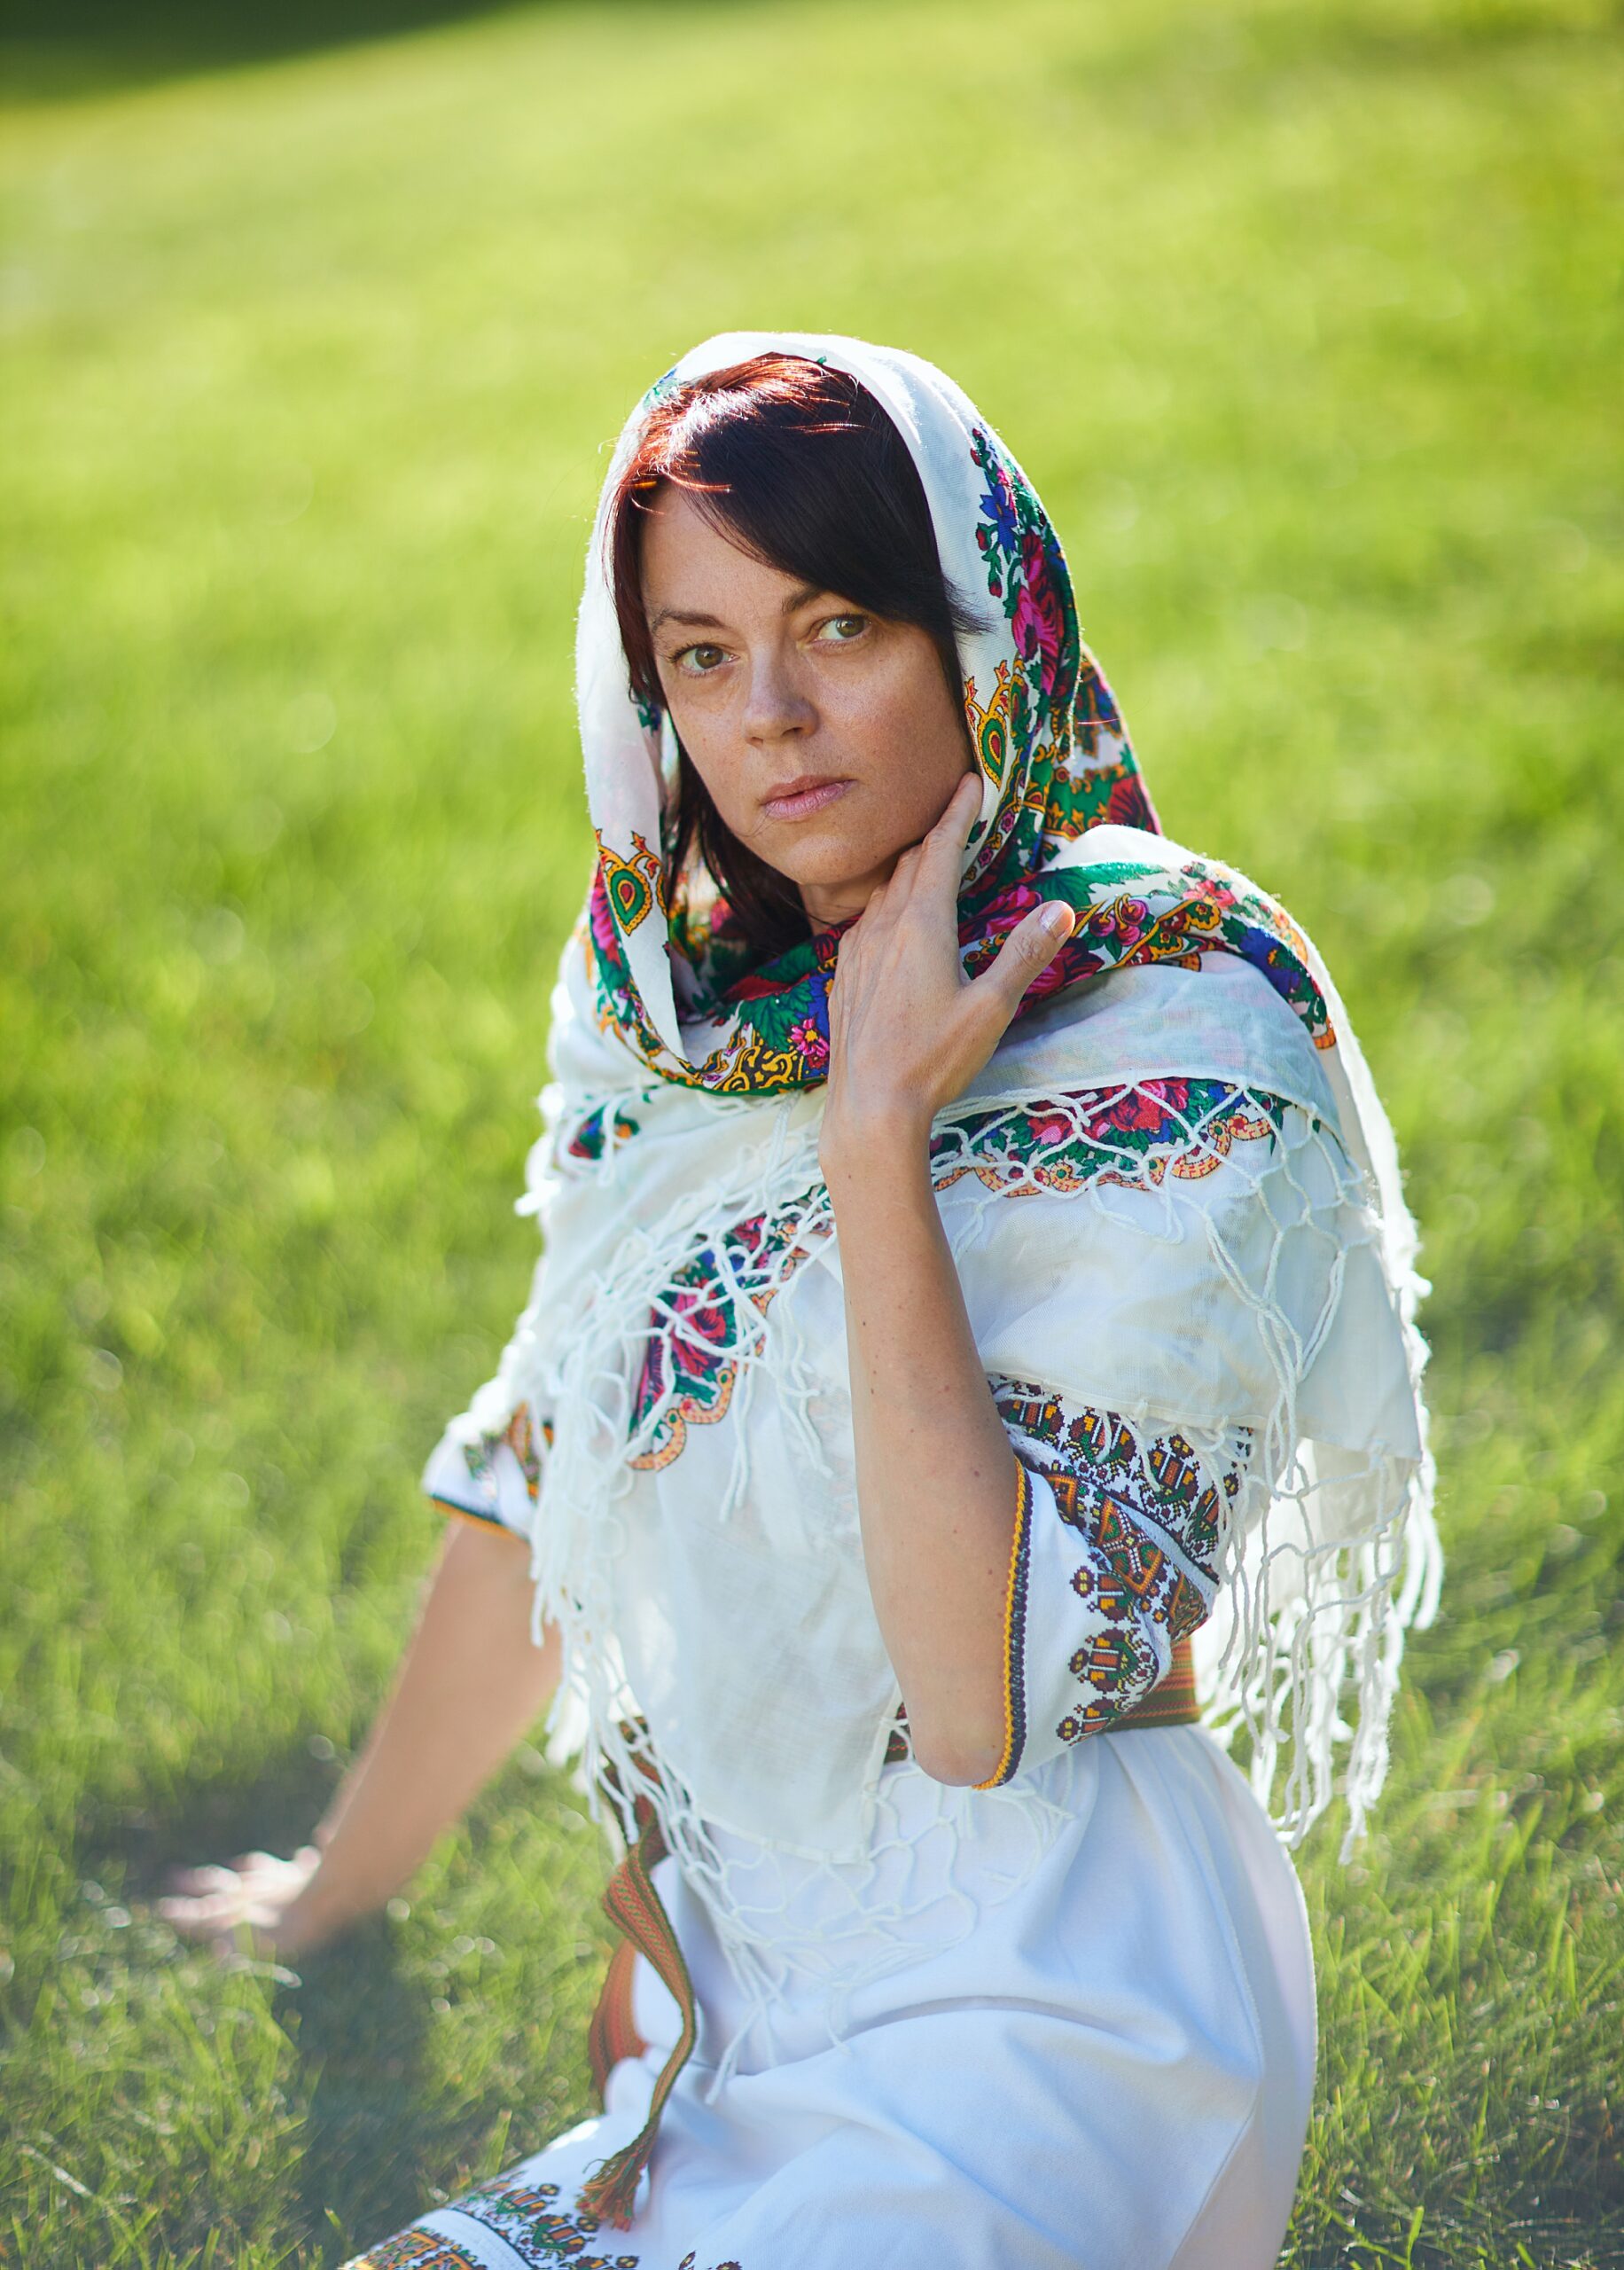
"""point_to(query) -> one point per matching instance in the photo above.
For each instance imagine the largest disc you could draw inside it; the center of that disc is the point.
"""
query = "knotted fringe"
(631, 1901)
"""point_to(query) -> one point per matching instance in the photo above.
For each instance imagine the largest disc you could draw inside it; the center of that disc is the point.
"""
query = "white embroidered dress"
(1065, 2018)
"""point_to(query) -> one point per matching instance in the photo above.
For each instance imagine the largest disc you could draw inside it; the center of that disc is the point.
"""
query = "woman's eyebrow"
(683, 614)
(691, 620)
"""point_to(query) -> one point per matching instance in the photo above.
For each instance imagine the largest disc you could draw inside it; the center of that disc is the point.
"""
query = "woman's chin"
(831, 869)
(835, 888)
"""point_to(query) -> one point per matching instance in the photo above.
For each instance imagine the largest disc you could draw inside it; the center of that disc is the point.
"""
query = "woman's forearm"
(936, 1476)
(471, 1681)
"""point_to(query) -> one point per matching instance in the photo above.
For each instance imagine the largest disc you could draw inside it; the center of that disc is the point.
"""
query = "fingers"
(218, 1876)
(200, 1919)
(212, 1878)
(933, 863)
(942, 853)
(193, 1907)
(219, 1920)
(1024, 955)
(203, 1902)
(961, 807)
(943, 846)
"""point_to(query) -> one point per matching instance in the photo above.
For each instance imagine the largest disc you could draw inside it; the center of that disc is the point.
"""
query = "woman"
(975, 1271)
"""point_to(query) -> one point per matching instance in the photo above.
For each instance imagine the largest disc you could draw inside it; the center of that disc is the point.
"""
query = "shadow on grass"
(360, 2027)
(232, 1811)
(51, 50)
(372, 2113)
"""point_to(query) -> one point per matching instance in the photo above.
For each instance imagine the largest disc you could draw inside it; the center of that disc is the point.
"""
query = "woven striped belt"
(632, 1903)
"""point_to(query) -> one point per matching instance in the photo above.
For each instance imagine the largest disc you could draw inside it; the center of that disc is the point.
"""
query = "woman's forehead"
(694, 575)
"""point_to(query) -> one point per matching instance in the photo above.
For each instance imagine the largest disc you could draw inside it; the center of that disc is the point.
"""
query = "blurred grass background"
(1302, 313)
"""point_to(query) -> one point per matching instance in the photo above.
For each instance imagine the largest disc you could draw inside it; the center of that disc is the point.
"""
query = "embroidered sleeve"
(494, 1480)
(1112, 1566)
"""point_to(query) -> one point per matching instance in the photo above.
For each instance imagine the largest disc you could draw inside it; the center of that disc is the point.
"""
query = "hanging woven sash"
(631, 1902)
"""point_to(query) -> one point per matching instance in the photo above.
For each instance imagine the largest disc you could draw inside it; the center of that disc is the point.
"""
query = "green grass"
(1298, 311)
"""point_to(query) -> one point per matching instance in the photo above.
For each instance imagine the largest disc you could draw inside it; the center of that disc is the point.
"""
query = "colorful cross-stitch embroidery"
(481, 1500)
(529, 2218)
(1149, 1520)
(417, 2250)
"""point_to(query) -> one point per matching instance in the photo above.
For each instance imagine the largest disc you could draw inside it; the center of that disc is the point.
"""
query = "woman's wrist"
(320, 1908)
(878, 1144)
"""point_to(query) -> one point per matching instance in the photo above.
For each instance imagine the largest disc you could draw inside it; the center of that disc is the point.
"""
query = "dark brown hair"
(800, 466)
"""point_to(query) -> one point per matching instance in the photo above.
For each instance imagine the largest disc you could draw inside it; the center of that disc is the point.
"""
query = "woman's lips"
(803, 798)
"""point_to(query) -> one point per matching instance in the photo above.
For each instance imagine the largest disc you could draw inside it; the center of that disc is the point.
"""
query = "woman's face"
(829, 738)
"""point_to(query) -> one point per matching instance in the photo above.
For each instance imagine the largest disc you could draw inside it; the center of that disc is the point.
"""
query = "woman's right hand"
(471, 1681)
(271, 1897)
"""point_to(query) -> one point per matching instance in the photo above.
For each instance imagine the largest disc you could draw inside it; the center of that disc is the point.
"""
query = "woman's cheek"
(708, 746)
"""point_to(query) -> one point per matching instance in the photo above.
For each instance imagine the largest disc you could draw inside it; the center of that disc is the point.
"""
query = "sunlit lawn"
(1299, 315)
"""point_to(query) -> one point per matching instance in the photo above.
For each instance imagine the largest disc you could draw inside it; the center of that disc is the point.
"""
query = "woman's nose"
(775, 704)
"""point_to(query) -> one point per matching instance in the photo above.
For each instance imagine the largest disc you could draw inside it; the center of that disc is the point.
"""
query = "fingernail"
(1056, 919)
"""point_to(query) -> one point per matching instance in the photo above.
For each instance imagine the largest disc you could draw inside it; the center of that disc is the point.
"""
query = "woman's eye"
(840, 630)
(699, 660)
